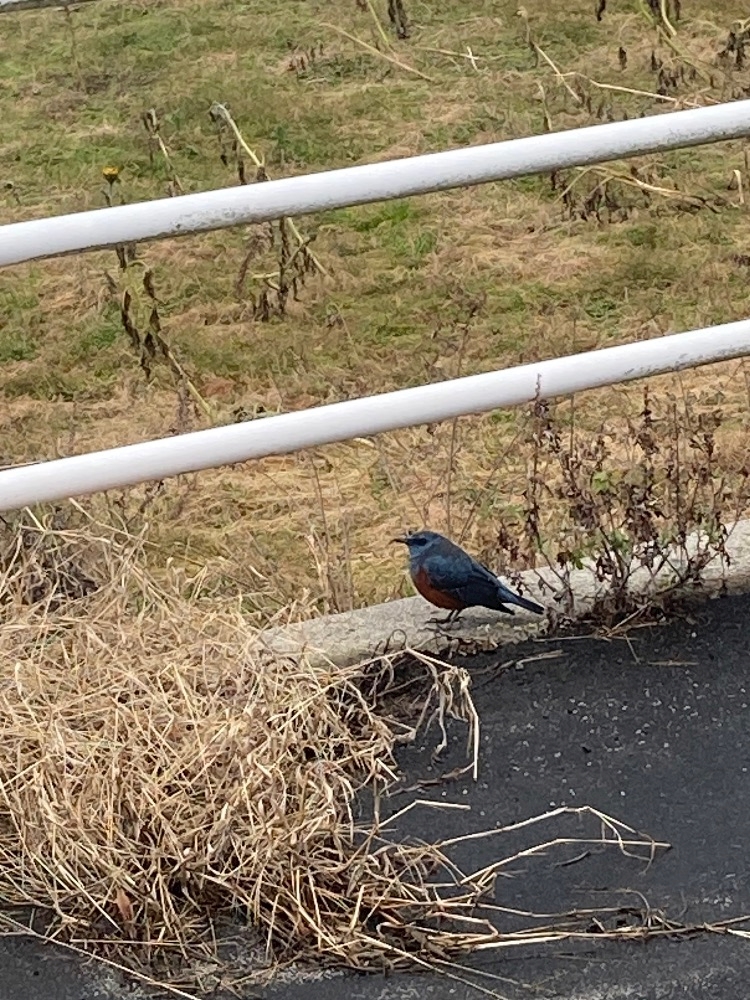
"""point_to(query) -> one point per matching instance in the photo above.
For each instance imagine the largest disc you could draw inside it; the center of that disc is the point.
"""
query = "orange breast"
(436, 597)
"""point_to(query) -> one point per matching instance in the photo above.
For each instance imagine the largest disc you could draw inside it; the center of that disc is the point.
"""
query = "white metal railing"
(290, 196)
(152, 460)
(6, 6)
(159, 459)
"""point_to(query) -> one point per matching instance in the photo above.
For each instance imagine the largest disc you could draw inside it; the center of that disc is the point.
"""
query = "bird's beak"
(401, 541)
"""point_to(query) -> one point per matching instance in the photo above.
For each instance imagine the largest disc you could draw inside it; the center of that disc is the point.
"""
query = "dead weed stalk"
(294, 260)
(399, 18)
(646, 510)
(133, 297)
(156, 144)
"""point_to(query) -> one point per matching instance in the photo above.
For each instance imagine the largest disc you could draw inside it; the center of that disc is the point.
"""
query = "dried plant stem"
(560, 76)
(153, 128)
(376, 52)
(221, 112)
(668, 26)
(68, 13)
(627, 179)
(453, 444)
(378, 25)
(681, 101)
(684, 55)
(153, 343)
(666, 32)
(472, 57)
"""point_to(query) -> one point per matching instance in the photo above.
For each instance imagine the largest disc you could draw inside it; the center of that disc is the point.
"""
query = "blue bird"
(450, 578)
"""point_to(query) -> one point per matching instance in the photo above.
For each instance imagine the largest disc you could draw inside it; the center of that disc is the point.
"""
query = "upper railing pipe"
(6, 6)
(234, 206)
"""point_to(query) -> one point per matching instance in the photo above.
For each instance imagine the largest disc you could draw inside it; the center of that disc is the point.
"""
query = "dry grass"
(161, 761)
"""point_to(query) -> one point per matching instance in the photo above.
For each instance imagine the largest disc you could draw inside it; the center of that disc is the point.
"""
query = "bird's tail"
(524, 602)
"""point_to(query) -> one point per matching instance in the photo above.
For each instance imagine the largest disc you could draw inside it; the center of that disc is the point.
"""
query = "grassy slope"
(403, 276)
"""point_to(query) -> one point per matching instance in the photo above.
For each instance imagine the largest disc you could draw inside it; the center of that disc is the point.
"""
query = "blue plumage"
(450, 578)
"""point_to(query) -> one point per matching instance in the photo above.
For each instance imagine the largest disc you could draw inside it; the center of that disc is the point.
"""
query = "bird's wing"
(507, 596)
(466, 580)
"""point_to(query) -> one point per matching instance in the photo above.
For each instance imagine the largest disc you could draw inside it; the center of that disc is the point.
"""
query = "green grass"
(14, 346)
(552, 276)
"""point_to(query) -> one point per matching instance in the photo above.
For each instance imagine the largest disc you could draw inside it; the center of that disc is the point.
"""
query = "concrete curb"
(366, 633)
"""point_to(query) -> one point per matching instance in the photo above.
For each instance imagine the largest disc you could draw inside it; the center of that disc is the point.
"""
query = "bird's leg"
(444, 623)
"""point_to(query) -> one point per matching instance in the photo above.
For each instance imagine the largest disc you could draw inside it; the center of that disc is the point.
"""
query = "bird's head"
(418, 541)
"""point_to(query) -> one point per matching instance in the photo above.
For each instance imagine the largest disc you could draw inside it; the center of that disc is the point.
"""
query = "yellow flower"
(111, 174)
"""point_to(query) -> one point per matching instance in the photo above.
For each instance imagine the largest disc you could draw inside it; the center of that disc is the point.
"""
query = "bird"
(448, 577)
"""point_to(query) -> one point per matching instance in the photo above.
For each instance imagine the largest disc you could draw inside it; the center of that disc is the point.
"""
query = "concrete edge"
(368, 633)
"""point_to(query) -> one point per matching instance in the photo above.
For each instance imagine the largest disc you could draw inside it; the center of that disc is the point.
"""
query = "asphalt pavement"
(652, 728)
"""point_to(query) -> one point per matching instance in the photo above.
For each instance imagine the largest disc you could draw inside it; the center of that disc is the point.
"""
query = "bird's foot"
(444, 624)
